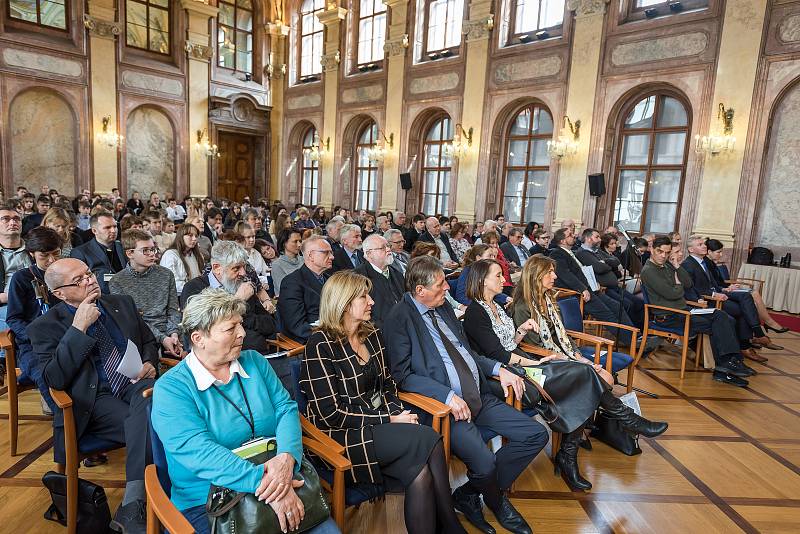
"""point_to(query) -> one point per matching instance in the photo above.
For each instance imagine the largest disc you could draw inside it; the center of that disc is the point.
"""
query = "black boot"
(567, 461)
(632, 423)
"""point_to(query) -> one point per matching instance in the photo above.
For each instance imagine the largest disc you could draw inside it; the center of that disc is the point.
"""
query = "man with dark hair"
(666, 284)
(541, 242)
(103, 254)
(513, 249)
(43, 203)
(253, 217)
(416, 230)
(430, 355)
(213, 224)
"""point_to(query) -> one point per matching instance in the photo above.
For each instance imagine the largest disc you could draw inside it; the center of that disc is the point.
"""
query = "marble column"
(737, 62)
(275, 72)
(103, 31)
(332, 19)
(583, 70)
(199, 51)
(394, 52)
(476, 32)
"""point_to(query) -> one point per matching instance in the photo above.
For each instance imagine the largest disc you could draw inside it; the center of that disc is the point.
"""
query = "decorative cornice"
(588, 7)
(277, 30)
(332, 15)
(200, 7)
(199, 51)
(277, 71)
(476, 30)
(396, 47)
(102, 28)
(396, 4)
(330, 62)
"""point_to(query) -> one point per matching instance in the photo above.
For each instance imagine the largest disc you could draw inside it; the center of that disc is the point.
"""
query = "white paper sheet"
(701, 311)
(131, 364)
(588, 272)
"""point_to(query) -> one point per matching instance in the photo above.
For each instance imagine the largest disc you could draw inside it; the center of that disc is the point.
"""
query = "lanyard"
(250, 420)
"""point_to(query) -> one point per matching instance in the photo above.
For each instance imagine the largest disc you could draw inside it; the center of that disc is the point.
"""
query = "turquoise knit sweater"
(199, 428)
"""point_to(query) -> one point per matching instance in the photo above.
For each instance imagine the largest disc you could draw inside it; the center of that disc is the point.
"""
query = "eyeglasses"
(6, 219)
(147, 251)
(400, 242)
(384, 247)
(79, 282)
(325, 252)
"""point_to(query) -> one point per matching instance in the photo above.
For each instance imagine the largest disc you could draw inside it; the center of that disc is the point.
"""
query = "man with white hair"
(332, 230)
(387, 284)
(489, 225)
(433, 234)
(301, 290)
(349, 256)
(397, 242)
(399, 221)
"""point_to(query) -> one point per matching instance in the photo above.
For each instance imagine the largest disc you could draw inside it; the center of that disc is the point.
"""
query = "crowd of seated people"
(375, 298)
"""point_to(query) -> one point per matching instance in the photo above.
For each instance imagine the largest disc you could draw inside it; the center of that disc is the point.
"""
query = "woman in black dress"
(353, 398)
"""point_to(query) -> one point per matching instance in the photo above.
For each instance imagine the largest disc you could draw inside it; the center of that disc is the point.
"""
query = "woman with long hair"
(184, 258)
(353, 398)
(234, 216)
(458, 241)
(290, 260)
(59, 220)
(492, 238)
(319, 216)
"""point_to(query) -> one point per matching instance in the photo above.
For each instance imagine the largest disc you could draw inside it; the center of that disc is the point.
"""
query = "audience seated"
(666, 284)
(184, 258)
(492, 239)
(152, 288)
(477, 252)
(80, 343)
(397, 242)
(429, 354)
(298, 305)
(43, 203)
(253, 217)
(103, 254)
(387, 284)
(290, 259)
(414, 231)
(201, 413)
(332, 230)
(541, 242)
(13, 258)
(458, 241)
(59, 220)
(433, 234)
(212, 224)
(175, 212)
(513, 250)
(349, 255)
(353, 398)
(253, 256)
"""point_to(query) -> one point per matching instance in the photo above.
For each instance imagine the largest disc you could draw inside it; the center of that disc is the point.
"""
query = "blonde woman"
(59, 220)
(353, 398)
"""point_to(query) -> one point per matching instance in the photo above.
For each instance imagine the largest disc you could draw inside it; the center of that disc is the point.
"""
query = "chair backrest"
(645, 296)
(159, 456)
(299, 397)
(571, 314)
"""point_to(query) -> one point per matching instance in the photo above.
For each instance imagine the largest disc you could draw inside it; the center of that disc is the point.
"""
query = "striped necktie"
(110, 356)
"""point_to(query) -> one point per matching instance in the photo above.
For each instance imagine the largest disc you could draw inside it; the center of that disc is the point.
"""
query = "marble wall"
(150, 152)
(42, 128)
(778, 217)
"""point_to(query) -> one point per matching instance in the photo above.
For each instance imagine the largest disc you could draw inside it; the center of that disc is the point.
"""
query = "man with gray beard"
(387, 284)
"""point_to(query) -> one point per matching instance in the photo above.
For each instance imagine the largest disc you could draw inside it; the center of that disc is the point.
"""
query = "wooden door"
(235, 167)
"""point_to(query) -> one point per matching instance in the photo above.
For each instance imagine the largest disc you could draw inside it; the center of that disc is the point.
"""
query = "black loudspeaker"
(597, 184)
(405, 180)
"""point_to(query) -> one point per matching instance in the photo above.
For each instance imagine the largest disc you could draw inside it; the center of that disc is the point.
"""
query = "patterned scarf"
(553, 319)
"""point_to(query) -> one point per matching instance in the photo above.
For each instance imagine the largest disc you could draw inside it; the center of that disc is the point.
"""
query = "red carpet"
(790, 321)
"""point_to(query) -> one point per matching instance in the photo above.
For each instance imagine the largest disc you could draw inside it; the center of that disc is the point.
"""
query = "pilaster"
(275, 72)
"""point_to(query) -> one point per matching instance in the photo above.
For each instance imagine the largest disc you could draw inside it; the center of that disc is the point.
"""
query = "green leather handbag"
(232, 512)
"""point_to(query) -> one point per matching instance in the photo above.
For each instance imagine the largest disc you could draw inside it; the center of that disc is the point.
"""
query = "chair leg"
(72, 495)
(13, 412)
(684, 352)
(338, 499)
(631, 368)
(698, 351)
(556, 444)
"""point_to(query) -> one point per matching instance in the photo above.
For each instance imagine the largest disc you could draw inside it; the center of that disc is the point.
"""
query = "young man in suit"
(103, 254)
(298, 306)
(429, 354)
(213, 224)
(79, 343)
(387, 283)
(349, 255)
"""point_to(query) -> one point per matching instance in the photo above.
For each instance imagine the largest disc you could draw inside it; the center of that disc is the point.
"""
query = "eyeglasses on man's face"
(8, 219)
(147, 251)
(383, 248)
(323, 252)
(79, 281)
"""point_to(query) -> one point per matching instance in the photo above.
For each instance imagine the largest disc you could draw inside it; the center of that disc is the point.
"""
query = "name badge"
(107, 277)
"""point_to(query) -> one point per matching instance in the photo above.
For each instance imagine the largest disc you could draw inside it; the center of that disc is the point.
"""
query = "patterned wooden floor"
(730, 462)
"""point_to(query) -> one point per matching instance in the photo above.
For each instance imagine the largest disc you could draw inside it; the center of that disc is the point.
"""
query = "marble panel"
(430, 84)
(305, 101)
(526, 70)
(149, 82)
(43, 141)
(367, 93)
(41, 62)
(779, 218)
(789, 30)
(687, 44)
(150, 152)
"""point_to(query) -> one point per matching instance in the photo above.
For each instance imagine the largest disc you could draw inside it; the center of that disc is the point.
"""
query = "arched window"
(46, 13)
(371, 31)
(235, 35)
(528, 17)
(651, 164)
(311, 38)
(147, 25)
(442, 27)
(366, 170)
(436, 167)
(527, 167)
(310, 168)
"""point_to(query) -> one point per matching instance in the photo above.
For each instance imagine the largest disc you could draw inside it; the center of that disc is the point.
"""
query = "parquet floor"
(730, 462)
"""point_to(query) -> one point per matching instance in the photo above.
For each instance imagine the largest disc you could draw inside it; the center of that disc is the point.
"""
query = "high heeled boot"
(632, 423)
(567, 461)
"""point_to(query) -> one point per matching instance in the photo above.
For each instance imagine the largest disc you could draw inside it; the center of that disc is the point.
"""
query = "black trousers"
(720, 326)
(125, 420)
(633, 305)
(526, 437)
(742, 308)
(605, 308)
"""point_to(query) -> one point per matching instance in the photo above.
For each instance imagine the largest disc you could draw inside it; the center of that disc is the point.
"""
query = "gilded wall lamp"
(717, 144)
(462, 141)
(567, 142)
(204, 145)
(377, 152)
(111, 139)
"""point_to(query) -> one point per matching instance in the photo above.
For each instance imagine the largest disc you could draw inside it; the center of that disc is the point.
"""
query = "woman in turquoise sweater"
(218, 398)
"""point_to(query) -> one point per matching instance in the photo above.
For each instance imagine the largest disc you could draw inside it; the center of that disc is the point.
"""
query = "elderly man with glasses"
(388, 285)
(398, 244)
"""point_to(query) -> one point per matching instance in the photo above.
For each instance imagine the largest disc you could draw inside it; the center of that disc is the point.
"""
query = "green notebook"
(258, 451)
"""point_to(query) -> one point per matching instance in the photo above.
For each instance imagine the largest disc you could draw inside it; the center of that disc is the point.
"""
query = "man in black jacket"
(513, 249)
(414, 231)
(80, 343)
(298, 306)
(103, 254)
(433, 234)
(348, 255)
(387, 283)
(213, 224)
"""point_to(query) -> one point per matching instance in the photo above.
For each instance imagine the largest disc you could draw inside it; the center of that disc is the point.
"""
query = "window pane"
(429, 204)
(521, 123)
(159, 20)
(225, 54)
(628, 206)
(53, 14)
(432, 155)
(159, 42)
(543, 122)
(136, 13)
(517, 152)
(534, 209)
(539, 156)
(671, 113)
(247, 4)
(642, 114)
(660, 217)
(669, 148)
(226, 14)
(647, 3)
(136, 35)
(162, 3)
(244, 20)
(514, 183)
(552, 15)
(537, 183)
(664, 186)
(512, 208)
(634, 149)
(430, 181)
(23, 10)
(365, 8)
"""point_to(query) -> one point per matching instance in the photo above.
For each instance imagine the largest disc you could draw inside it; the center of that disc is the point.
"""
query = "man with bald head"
(301, 289)
(387, 284)
(80, 343)
(433, 234)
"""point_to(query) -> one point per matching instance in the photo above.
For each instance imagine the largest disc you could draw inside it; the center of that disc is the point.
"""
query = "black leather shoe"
(471, 506)
(511, 519)
(780, 330)
(735, 368)
(131, 518)
(727, 378)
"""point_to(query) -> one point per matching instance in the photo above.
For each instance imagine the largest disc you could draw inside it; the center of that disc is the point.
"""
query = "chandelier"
(462, 141)
(204, 145)
(377, 152)
(110, 139)
(717, 144)
(317, 151)
(567, 142)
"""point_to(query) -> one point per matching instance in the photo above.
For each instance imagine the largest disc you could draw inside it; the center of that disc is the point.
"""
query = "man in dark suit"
(80, 342)
(349, 255)
(737, 304)
(430, 355)
(397, 243)
(103, 254)
(213, 224)
(541, 241)
(298, 306)
(513, 249)
(570, 276)
(433, 234)
(387, 283)
(414, 231)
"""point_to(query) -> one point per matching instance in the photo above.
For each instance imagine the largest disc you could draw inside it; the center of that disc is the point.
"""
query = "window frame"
(313, 168)
(424, 169)
(529, 138)
(371, 168)
(369, 65)
(235, 30)
(638, 13)
(316, 76)
(170, 30)
(649, 167)
(515, 37)
(443, 52)
(26, 24)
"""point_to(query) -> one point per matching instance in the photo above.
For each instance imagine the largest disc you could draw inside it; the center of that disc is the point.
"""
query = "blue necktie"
(110, 357)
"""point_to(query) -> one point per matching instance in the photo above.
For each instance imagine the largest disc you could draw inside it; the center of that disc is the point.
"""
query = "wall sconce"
(317, 151)
(462, 140)
(716, 144)
(377, 152)
(567, 142)
(204, 145)
(110, 139)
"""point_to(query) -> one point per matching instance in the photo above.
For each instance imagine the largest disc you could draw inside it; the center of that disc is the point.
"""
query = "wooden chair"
(14, 389)
(161, 513)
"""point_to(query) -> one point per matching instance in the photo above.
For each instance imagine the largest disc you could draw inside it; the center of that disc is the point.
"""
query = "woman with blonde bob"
(353, 398)
(59, 220)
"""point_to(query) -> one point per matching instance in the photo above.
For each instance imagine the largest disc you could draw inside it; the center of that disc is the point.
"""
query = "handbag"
(535, 396)
(94, 515)
(234, 512)
(609, 430)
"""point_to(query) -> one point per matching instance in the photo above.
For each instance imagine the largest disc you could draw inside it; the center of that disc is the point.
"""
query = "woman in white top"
(183, 258)
(253, 256)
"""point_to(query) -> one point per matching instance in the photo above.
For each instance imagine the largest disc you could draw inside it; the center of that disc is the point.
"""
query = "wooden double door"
(236, 166)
